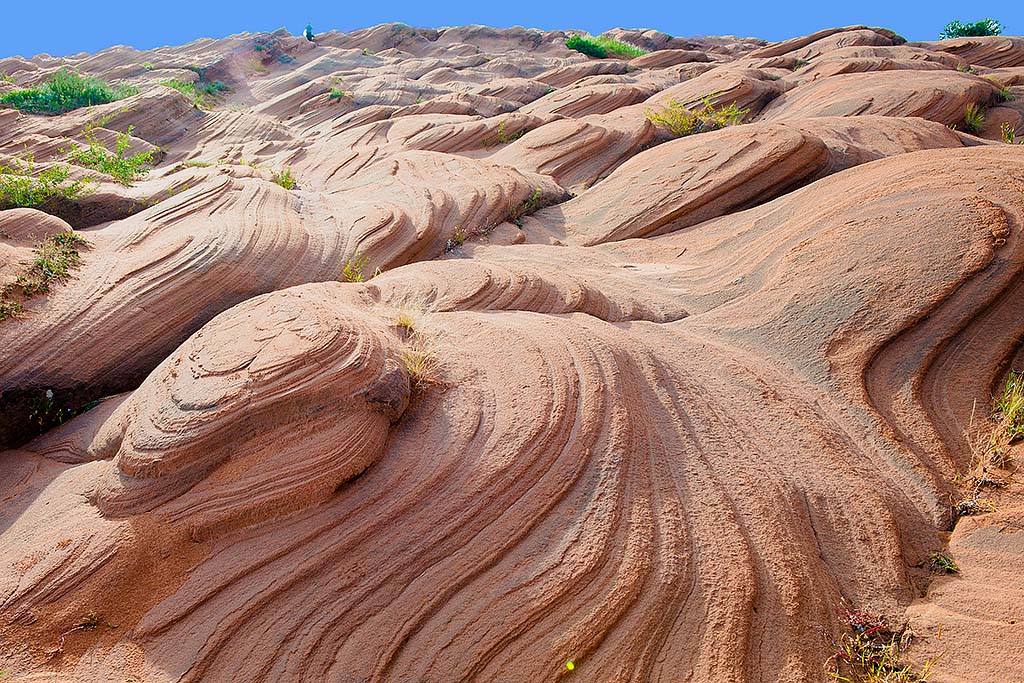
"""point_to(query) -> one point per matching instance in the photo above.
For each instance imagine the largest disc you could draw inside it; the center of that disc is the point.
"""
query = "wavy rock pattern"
(661, 429)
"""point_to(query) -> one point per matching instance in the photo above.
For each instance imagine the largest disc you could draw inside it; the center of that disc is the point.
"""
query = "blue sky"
(63, 27)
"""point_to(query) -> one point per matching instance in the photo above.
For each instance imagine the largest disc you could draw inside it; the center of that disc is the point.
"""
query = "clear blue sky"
(62, 27)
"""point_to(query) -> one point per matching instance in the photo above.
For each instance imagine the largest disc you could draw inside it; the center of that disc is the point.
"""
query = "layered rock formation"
(510, 378)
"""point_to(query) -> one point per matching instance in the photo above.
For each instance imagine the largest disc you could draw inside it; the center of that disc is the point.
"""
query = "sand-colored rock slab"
(422, 355)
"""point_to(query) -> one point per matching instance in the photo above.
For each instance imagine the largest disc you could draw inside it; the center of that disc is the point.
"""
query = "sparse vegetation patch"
(22, 185)
(202, 94)
(681, 121)
(55, 258)
(873, 652)
(124, 169)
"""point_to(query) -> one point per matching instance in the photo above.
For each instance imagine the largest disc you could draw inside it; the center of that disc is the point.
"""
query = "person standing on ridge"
(308, 32)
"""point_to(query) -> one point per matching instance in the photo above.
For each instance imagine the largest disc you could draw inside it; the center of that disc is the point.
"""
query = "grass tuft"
(680, 121)
(1008, 133)
(420, 362)
(124, 169)
(405, 322)
(600, 47)
(64, 91)
(974, 118)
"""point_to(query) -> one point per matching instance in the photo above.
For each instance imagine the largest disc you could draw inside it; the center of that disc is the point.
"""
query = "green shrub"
(148, 66)
(337, 94)
(64, 91)
(603, 46)
(124, 170)
(22, 186)
(6, 77)
(680, 121)
(985, 27)
(974, 118)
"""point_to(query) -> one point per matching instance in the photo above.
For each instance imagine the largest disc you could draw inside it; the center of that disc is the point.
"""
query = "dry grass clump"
(991, 447)
(420, 362)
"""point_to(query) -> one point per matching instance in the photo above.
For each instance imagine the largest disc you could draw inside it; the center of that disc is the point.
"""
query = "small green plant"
(600, 47)
(680, 121)
(284, 178)
(872, 652)
(457, 239)
(22, 185)
(503, 138)
(799, 64)
(941, 563)
(148, 66)
(528, 206)
(1008, 133)
(974, 118)
(124, 169)
(966, 69)
(984, 27)
(353, 270)
(64, 91)
(337, 93)
(6, 77)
